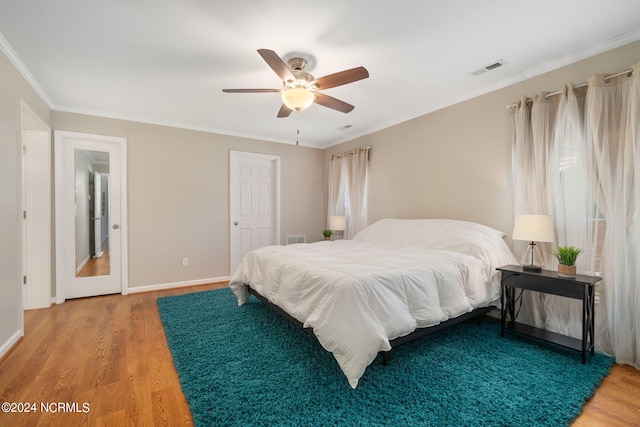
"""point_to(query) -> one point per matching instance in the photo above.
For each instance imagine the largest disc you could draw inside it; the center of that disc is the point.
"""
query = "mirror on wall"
(92, 213)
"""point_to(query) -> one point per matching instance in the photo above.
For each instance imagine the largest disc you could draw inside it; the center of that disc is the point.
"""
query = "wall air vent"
(497, 64)
(292, 239)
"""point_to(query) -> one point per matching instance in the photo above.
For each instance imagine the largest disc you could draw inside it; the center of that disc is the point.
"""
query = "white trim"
(592, 50)
(6, 48)
(42, 125)
(8, 344)
(59, 137)
(177, 125)
(58, 185)
(163, 286)
(82, 264)
(546, 67)
(124, 218)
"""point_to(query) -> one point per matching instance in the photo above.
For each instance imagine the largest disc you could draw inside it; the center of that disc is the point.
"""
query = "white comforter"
(357, 295)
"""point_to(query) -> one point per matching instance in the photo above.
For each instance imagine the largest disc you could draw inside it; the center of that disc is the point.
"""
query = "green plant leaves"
(566, 255)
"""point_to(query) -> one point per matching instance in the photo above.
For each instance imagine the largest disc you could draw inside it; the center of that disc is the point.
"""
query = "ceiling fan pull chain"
(297, 126)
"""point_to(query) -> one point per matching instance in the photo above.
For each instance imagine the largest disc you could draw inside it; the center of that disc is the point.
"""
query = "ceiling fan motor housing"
(297, 63)
(303, 79)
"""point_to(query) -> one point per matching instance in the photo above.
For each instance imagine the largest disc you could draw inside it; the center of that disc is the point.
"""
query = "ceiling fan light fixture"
(301, 89)
(297, 98)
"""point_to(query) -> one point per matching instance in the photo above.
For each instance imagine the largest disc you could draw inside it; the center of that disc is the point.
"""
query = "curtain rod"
(606, 79)
(350, 153)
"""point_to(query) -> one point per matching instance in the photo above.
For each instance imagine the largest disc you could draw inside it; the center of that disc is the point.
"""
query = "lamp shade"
(337, 222)
(297, 98)
(533, 228)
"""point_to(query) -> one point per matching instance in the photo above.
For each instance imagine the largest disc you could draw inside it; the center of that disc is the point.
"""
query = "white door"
(36, 205)
(81, 271)
(254, 203)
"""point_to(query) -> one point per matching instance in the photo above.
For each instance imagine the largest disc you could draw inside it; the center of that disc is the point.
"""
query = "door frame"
(60, 140)
(275, 159)
(36, 196)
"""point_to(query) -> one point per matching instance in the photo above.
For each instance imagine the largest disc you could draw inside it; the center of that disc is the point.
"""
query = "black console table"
(580, 287)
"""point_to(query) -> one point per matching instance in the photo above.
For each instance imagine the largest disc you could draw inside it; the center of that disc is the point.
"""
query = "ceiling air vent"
(497, 64)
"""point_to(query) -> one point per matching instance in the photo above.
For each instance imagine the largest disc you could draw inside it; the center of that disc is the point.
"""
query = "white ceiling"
(167, 61)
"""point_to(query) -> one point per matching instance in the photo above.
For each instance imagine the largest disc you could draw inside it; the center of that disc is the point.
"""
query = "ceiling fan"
(300, 89)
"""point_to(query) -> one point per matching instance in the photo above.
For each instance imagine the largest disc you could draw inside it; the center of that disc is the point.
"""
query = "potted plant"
(566, 256)
(327, 234)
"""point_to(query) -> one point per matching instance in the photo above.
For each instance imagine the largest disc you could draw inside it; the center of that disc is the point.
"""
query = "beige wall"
(453, 163)
(13, 89)
(456, 162)
(179, 192)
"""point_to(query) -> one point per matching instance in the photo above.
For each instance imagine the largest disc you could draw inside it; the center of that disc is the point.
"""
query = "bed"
(394, 278)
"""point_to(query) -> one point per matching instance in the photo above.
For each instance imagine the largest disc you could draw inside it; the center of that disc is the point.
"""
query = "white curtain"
(337, 186)
(532, 151)
(576, 156)
(613, 121)
(569, 203)
(348, 175)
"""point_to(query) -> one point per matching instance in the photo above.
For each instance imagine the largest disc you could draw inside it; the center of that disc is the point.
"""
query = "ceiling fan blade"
(333, 103)
(342, 77)
(284, 111)
(277, 64)
(250, 90)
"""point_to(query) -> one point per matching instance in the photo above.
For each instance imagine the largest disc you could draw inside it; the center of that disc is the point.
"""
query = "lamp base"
(532, 261)
(532, 268)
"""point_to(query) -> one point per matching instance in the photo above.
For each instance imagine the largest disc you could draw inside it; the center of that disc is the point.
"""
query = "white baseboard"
(6, 346)
(163, 286)
(82, 264)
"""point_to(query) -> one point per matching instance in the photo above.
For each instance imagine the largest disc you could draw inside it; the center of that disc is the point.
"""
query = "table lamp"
(337, 224)
(533, 228)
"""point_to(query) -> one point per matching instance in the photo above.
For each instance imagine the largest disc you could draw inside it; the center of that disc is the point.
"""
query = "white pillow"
(469, 238)
(425, 232)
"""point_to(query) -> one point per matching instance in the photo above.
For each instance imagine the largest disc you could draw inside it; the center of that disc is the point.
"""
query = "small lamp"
(337, 223)
(533, 228)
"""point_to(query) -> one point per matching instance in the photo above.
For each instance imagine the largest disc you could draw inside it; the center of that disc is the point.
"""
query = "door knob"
(235, 223)
(116, 226)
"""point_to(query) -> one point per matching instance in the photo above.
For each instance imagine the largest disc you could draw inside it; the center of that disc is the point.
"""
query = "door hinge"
(24, 214)
(24, 280)
(24, 149)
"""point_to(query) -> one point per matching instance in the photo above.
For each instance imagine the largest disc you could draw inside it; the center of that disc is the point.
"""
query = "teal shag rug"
(247, 366)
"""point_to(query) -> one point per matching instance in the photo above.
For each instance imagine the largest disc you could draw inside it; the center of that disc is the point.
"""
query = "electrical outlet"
(185, 262)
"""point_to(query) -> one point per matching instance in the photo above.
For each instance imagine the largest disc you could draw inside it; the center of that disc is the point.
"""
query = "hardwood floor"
(98, 266)
(616, 402)
(108, 351)
(111, 353)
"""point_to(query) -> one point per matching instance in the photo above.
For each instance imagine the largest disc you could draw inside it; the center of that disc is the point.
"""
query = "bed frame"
(386, 356)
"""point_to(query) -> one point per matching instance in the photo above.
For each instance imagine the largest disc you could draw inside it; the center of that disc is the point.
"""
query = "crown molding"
(6, 48)
(173, 124)
(592, 50)
(564, 61)
(549, 66)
